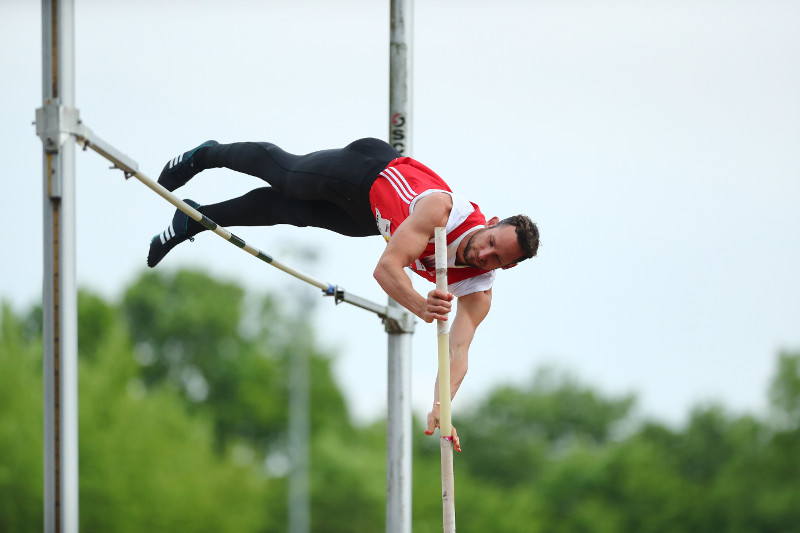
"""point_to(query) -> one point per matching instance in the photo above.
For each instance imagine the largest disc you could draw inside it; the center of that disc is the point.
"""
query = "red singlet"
(392, 198)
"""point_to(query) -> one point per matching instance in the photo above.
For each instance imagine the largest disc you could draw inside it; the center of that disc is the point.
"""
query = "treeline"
(183, 427)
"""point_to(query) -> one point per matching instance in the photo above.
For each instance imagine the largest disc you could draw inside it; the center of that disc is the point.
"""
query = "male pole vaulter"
(367, 188)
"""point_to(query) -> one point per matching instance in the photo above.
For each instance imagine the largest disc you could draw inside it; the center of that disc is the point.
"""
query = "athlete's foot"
(182, 168)
(176, 233)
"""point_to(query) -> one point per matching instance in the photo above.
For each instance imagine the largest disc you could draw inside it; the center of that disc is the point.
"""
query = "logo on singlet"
(384, 225)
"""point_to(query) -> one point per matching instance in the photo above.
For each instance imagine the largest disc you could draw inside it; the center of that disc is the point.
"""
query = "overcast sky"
(655, 144)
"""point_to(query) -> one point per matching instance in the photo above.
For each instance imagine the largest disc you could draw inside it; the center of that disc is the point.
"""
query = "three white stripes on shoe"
(175, 160)
(400, 185)
(167, 234)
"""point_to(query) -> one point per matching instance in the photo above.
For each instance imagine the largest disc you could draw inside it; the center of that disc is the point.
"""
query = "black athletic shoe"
(181, 168)
(176, 233)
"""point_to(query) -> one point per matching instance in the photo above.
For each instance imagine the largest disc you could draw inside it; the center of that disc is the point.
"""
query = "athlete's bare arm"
(406, 245)
(472, 309)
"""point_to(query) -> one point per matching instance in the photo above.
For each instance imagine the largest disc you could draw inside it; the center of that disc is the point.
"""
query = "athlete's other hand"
(433, 423)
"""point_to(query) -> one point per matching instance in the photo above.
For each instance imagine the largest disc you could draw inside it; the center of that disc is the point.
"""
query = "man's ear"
(492, 221)
(512, 265)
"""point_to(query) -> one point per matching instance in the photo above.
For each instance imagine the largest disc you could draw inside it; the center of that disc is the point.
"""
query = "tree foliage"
(183, 396)
(226, 354)
(21, 469)
(516, 431)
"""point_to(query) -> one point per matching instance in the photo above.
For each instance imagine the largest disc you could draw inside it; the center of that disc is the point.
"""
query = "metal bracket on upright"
(55, 121)
(398, 320)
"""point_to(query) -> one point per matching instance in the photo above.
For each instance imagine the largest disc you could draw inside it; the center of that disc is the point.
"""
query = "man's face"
(492, 247)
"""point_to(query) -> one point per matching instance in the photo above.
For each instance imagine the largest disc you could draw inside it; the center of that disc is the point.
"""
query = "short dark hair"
(527, 235)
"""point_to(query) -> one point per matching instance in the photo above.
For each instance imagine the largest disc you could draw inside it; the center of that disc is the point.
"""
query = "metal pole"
(299, 436)
(399, 422)
(400, 75)
(60, 332)
(398, 428)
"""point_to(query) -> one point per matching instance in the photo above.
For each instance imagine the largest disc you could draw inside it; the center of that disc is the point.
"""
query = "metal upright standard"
(299, 445)
(59, 305)
(399, 420)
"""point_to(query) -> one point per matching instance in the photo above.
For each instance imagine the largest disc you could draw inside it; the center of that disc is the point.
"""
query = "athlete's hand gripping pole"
(445, 422)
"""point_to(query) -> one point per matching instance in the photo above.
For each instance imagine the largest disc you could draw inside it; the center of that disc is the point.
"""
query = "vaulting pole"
(59, 305)
(445, 423)
(398, 417)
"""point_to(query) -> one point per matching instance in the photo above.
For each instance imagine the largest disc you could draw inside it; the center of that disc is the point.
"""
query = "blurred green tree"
(227, 354)
(784, 392)
(145, 463)
(517, 429)
(183, 402)
(21, 450)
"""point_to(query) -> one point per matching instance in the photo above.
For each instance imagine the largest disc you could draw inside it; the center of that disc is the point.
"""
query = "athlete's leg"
(340, 175)
(265, 206)
(330, 175)
(327, 189)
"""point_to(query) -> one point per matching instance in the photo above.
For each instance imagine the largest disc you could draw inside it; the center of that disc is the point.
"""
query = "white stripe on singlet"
(399, 183)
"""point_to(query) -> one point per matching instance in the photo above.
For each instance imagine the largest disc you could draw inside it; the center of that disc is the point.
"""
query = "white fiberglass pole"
(445, 423)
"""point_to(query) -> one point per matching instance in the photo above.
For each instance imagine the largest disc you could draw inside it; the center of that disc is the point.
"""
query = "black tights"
(327, 189)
